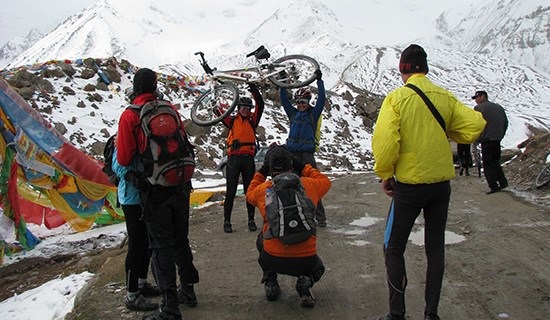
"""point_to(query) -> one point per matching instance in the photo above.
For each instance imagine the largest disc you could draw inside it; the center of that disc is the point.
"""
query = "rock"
(26, 92)
(60, 127)
(69, 91)
(87, 73)
(67, 69)
(89, 87)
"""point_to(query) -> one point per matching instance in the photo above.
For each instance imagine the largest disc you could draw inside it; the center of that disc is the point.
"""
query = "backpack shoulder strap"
(430, 105)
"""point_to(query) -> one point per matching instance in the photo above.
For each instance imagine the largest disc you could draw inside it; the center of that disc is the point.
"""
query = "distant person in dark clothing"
(464, 154)
(497, 123)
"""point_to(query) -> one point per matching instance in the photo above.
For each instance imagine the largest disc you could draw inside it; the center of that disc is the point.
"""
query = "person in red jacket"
(165, 210)
(300, 259)
(241, 148)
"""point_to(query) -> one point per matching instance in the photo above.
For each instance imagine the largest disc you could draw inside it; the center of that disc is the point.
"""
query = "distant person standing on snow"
(413, 157)
(464, 154)
(497, 124)
(304, 121)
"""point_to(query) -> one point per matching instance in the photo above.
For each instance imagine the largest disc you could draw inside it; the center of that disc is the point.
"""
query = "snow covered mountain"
(16, 46)
(500, 46)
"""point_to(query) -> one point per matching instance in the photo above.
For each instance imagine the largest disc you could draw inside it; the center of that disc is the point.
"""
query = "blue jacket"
(127, 193)
(303, 125)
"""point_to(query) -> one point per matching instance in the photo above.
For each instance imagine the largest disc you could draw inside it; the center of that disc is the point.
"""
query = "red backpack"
(168, 156)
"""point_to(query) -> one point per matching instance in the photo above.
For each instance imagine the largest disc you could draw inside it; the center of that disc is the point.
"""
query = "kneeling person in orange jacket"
(297, 259)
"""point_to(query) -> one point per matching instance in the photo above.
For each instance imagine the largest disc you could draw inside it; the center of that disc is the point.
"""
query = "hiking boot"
(303, 285)
(252, 225)
(162, 315)
(227, 227)
(431, 316)
(322, 224)
(186, 295)
(461, 172)
(272, 290)
(140, 304)
(503, 185)
(149, 290)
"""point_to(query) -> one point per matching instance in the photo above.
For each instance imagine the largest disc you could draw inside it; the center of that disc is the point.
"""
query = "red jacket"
(130, 138)
(316, 186)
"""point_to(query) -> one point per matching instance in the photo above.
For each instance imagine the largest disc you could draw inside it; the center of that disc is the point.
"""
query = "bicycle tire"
(225, 96)
(296, 71)
(543, 178)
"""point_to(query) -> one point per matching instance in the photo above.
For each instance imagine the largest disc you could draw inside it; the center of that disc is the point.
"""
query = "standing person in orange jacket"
(241, 148)
(299, 259)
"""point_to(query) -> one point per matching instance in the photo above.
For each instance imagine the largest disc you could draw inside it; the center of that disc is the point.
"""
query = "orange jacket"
(316, 186)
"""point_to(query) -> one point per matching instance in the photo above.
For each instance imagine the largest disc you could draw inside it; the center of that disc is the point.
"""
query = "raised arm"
(285, 101)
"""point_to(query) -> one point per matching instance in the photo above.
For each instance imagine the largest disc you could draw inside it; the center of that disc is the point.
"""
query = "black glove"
(319, 74)
(136, 180)
(298, 164)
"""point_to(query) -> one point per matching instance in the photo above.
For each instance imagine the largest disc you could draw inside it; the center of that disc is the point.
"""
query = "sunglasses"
(302, 101)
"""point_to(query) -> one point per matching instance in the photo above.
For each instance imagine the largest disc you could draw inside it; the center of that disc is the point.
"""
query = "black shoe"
(461, 172)
(503, 185)
(162, 315)
(252, 225)
(149, 290)
(272, 290)
(431, 317)
(227, 227)
(140, 304)
(303, 285)
(186, 295)
(321, 224)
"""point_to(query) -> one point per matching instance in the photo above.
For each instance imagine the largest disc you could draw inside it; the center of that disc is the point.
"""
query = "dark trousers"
(237, 165)
(464, 154)
(407, 203)
(490, 154)
(166, 215)
(137, 257)
(309, 158)
(311, 267)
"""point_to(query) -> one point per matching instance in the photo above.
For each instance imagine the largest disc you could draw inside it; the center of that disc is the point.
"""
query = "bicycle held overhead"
(291, 71)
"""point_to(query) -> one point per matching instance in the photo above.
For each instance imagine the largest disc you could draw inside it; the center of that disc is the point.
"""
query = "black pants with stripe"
(407, 203)
(237, 165)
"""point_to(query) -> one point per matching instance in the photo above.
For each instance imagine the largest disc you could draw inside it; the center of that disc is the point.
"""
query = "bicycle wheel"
(294, 71)
(543, 177)
(224, 97)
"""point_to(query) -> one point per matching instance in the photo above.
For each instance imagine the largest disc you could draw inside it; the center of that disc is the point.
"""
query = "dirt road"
(498, 267)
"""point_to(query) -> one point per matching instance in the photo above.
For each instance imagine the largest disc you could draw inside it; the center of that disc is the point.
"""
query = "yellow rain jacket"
(409, 144)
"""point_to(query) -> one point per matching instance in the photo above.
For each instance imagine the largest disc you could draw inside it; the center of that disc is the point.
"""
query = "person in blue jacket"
(302, 136)
(137, 257)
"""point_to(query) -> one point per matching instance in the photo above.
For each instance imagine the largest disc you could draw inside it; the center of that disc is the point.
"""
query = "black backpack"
(168, 157)
(290, 213)
(108, 160)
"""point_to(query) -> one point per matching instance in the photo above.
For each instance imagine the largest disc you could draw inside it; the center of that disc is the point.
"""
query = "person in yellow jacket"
(413, 159)
(298, 259)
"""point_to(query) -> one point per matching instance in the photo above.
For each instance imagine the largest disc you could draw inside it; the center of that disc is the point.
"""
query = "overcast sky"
(19, 16)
